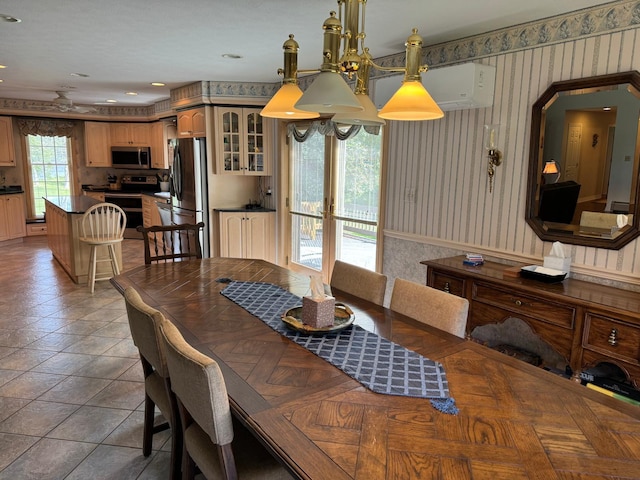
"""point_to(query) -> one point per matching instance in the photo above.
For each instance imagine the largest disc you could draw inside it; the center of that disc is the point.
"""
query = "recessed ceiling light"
(3, 66)
(1, 80)
(131, 93)
(232, 56)
(157, 84)
(83, 75)
(9, 19)
(111, 101)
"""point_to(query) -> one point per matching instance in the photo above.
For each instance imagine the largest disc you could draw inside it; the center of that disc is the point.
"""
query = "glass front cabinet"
(241, 142)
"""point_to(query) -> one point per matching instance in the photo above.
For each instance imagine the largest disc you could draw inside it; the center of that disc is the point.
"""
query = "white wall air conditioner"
(458, 87)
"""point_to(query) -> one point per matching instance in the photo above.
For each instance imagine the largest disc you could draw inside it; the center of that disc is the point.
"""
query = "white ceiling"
(123, 45)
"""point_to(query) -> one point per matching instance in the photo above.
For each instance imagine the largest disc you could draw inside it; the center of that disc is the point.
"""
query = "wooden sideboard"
(585, 322)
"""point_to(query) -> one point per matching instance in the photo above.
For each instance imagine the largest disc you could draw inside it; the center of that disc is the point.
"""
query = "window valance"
(45, 127)
(327, 128)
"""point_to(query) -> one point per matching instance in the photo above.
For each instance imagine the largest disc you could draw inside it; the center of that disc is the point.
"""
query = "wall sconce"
(494, 155)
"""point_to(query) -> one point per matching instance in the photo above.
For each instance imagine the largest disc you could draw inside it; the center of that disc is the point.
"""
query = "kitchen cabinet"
(96, 195)
(130, 134)
(248, 235)
(161, 133)
(7, 150)
(241, 146)
(587, 323)
(12, 217)
(97, 144)
(192, 123)
(150, 213)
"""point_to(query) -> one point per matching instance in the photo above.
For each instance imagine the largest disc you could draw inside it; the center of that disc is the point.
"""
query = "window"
(49, 161)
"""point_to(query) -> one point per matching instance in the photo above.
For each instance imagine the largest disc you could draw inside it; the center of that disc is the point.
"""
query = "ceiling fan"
(63, 103)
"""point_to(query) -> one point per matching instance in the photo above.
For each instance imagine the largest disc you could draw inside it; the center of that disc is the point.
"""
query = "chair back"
(144, 322)
(103, 222)
(199, 385)
(359, 282)
(428, 305)
(170, 243)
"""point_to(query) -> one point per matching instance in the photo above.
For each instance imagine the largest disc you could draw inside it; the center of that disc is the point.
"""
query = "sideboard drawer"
(447, 282)
(538, 308)
(612, 337)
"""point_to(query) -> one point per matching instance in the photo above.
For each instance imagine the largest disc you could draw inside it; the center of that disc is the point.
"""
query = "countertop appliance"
(188, 186)
(129, 198)
(131, 157)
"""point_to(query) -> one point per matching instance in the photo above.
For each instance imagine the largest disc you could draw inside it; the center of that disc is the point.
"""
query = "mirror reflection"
(584, 161)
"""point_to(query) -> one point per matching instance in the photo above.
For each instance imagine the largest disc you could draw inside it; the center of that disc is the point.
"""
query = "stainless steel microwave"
(131, 157)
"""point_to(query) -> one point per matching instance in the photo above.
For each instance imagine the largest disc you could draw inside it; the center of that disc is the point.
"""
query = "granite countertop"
(244, 209)
(73, 204)
(9, 189)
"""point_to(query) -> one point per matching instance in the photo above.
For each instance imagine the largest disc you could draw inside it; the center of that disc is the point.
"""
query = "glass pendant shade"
(329, 93)
(368, 116)
(282, 104)
(411, 102)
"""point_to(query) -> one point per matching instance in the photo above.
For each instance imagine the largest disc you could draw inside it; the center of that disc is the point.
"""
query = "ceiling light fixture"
(133, 94)
(157, 84)
(330, 93)
(83, 75)
(111, 101)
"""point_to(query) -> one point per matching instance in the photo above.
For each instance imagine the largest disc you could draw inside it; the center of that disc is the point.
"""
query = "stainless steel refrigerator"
(188, 185)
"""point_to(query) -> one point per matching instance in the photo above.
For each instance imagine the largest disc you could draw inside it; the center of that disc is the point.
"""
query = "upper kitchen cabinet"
(97, 144)
(192, 123)
(241, 142)
(131, 134)
(7, 150)
(161, 132)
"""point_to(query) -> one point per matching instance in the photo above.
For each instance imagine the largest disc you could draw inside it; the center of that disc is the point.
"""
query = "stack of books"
(473, 259)
(611, 387)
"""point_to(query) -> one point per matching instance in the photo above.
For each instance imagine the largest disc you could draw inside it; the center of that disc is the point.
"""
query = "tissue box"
(318, 313)
(557, 263)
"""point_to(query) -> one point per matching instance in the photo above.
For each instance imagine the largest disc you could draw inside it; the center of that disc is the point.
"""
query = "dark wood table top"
(515, 420)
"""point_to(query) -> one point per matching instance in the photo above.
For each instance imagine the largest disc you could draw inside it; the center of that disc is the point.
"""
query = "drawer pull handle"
(447, 287)
(613, 337)
(518, 302)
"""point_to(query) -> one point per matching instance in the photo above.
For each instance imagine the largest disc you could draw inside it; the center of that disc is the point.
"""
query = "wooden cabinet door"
(130, 134)
(150, 213)
(257, 160)
(192, 123)
(16, 222)
(7, 150)
(159, 145)
(259, 230)
(231, 234)
(97, 142)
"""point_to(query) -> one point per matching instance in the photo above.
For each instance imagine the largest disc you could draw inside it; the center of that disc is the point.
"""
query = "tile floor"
(71, 391)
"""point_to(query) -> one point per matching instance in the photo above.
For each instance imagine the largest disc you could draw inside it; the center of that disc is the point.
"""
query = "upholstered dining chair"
(170, 243)
(428, 305)
(102, 225)
(359, 282)
(144, 323)
(206, 418)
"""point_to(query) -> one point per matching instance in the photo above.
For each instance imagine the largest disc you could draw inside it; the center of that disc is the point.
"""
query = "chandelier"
(329, 93)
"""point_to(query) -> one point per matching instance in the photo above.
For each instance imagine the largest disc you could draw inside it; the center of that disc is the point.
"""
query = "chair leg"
(149, 417)
(114, 260)
(91, 280)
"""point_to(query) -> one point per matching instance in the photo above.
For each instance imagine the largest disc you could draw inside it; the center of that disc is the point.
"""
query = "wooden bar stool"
(102, 225)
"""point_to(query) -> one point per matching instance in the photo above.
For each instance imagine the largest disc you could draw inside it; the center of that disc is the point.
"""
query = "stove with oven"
(129, 198)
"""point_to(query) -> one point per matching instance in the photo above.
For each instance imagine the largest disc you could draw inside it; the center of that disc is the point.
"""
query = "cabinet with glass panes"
(241, 142)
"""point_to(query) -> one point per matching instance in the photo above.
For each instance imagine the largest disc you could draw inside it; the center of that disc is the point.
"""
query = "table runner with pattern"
(375, 362)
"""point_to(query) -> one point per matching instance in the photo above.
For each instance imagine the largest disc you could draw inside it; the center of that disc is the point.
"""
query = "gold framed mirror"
(584, 155)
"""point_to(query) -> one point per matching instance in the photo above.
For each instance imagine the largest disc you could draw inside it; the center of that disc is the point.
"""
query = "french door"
(334, 201)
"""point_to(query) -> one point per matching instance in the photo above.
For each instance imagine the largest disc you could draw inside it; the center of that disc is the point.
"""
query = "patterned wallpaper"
(442, 162)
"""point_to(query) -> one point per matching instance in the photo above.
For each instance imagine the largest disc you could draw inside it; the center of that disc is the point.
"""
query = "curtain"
(45, 127)
(325, 127)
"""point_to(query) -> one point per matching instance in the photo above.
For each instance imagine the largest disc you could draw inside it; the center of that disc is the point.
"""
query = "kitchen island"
(64, 215)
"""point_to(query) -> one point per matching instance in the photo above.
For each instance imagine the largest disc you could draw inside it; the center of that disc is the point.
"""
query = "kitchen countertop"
(9, 189)
(73, 204)
(244, 209)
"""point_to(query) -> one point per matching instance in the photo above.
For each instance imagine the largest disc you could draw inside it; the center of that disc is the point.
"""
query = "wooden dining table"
(514, 421)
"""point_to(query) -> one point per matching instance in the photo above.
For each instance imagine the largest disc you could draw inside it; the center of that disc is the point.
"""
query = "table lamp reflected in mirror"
(550, 173)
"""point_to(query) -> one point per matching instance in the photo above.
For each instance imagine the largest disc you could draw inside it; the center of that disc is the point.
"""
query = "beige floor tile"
(129, 432)
(55, 341)
(119, 394)
(133, 374)
(89, 424)
(111, 462)
(124, 348)
(37, 418)
(30, 385)
(115, 330)
(12, 446)
(19, 338)
(48, 459)
(92, 345)
(82, 327)
(106, 367)
(9, 406)
(75, 390)
(64, 363)
(8, 375)
(4, 351)
(49, 324)
(24, 359)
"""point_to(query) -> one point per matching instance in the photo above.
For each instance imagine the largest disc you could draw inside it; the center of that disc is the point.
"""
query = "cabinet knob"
(518, 302)
(613, 337)
(447, 287)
